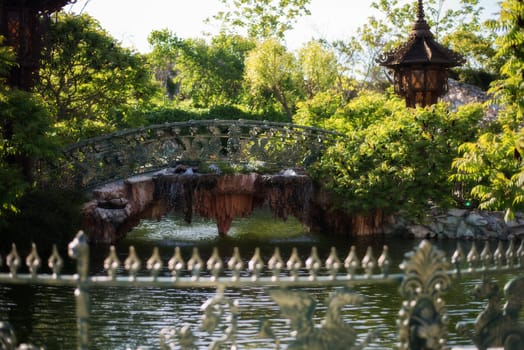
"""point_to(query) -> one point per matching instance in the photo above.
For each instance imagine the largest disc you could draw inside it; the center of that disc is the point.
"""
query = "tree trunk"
(281, 98)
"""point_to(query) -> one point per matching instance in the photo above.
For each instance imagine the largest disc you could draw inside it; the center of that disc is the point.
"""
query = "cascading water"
(118, 207)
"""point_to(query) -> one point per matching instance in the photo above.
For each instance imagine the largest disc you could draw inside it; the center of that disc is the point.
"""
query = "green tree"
(212, 74)
(165, 51)
(272, 71)
(261, 19)
(400, 162)
(206, 74)
(24, 128)
(87, 78)
(319, 68)
(509, 89)
(492, 166)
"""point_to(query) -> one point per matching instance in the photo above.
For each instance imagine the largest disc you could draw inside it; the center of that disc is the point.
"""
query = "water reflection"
(131, 317)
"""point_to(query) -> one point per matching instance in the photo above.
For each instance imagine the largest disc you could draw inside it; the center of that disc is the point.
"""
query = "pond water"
(132, 317)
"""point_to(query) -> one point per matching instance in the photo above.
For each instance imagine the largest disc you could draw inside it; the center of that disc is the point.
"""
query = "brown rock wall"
(116, 208)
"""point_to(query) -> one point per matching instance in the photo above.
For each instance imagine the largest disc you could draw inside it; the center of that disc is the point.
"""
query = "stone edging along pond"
(469, 224)
(117, 207)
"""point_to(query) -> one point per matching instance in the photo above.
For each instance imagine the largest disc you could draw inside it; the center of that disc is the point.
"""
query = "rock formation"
(231, 197)
(117, 207)
(461, 93)
(468, 224)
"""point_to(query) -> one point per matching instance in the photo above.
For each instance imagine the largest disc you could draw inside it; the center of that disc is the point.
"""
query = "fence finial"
(78, 249)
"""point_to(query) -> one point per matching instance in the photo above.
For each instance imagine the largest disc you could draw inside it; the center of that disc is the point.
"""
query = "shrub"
(401, 161)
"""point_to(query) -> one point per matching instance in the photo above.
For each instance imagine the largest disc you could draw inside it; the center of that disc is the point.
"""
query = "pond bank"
(115, 208)
(468, 224)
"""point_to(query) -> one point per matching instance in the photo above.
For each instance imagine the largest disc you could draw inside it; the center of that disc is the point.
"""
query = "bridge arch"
(240, 144)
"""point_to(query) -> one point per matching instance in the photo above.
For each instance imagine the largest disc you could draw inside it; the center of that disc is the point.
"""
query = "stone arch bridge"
(241, 145)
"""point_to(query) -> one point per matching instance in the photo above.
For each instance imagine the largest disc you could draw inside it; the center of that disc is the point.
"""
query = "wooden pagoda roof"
(421, 48)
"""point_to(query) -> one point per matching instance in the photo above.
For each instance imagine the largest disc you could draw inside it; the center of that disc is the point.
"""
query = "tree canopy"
(88, 79)
(271, 69)
(206, 74)
(261, 19)
(493, 167)
(24, 127)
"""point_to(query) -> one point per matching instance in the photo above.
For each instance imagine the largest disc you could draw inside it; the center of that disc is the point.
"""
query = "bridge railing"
(423, 321)
(233, 143)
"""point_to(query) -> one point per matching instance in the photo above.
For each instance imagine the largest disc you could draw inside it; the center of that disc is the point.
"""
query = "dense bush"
(24, 136)
(46, 216)
(492, 169)
(401, 161)
(331, 110)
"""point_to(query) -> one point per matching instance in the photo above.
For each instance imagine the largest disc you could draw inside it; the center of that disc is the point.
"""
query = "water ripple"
(134, 317)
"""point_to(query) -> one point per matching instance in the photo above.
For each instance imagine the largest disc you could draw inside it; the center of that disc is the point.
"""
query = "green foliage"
(167, 114)
(46, 216)
(272, 72)
(509, 89)
(24, 123)
(331, 110)
(205, 74)
(211, 75)
(318, 110)
(87, 75)
(71, 131)
(232, 112)
(6, 59)
(399, 160)
(319, 68)
(12, 187)
(492, 168)
(261, 19)
(24, 127)
(12, 184)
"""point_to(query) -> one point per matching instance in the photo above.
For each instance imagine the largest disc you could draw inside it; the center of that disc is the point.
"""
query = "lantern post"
(420, 66)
